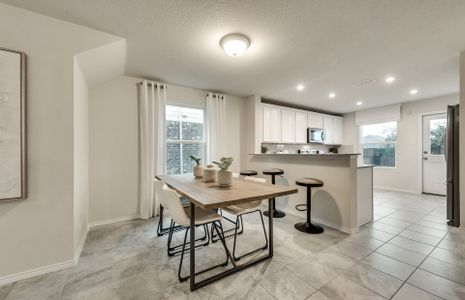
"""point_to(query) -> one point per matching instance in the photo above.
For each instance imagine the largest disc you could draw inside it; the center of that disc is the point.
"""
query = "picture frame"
(13, 176)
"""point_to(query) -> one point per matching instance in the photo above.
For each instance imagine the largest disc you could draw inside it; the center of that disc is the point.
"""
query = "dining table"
(209, 196)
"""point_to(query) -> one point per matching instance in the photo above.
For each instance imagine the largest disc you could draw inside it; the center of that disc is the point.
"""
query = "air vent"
(363, 82)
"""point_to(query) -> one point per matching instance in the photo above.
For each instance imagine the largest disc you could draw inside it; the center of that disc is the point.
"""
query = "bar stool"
(249, 173)
(273, 172)
(308, 227)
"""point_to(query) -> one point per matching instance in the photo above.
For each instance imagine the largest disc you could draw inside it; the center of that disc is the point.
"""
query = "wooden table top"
(211, 195)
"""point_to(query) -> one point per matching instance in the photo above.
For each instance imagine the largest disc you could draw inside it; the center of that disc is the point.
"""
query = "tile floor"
(407, 253)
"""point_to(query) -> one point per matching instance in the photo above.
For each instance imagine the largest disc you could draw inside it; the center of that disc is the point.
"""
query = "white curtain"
(216, 126)
(152, 105)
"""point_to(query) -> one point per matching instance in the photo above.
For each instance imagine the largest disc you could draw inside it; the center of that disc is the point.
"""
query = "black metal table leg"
(236, 268)
(270, 227)
(192, 248)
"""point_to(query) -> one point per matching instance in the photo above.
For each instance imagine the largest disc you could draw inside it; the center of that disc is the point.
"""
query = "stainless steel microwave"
(316, 135)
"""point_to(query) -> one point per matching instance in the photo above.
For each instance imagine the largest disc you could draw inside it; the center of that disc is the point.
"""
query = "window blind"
(390, 113)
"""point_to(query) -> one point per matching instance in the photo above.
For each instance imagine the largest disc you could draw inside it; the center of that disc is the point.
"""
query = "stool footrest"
(298, 207)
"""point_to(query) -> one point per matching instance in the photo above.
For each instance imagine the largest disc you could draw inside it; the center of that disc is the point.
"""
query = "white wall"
(81, 156)
(113, 150)
(114, 143)
(406, 176)
(38, 231)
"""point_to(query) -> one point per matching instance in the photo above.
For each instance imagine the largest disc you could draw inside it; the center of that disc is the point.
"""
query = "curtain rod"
(162, 85)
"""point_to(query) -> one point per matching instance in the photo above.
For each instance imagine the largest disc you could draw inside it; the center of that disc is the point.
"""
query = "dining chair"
(234, 175)
(158, 184)
(181, 216)
(161, 230)
(239, 210)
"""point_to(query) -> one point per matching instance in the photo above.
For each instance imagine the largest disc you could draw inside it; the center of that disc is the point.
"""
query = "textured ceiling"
(327, 45)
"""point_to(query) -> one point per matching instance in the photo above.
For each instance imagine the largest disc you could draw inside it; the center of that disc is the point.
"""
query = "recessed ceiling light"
(235, 44)
(359, 103)
(413, 92)
(332, 95)
(390, 79)
(300, 87)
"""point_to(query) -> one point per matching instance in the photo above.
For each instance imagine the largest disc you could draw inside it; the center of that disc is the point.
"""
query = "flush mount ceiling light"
(235, 44)
(390, 79)
(332, 95)
(300, 87)
(413, 92)
(359, 103)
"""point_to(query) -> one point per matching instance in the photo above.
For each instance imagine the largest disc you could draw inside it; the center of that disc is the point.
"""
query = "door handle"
(425, 158)
(425, 152)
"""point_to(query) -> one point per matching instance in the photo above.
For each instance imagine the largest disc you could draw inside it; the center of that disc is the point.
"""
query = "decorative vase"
(198, 171)
(209, 173)
(225, 177)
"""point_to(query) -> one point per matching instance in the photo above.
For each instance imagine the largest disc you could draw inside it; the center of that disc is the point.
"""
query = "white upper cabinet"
(271, 124)
(328, 126)
(287, 126)
(337, 130)
(314, 120)
(300, 127)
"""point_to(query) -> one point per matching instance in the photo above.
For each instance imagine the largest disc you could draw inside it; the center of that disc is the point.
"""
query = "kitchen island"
(345, 202)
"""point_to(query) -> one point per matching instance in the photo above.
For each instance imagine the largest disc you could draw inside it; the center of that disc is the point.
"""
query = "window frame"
(360, 132)
(181, 141)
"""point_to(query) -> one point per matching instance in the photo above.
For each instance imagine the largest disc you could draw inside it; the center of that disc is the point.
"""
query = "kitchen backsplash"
(293, 148)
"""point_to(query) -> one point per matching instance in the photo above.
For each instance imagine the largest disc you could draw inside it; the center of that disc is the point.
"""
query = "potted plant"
(224, 175)
(198, 169)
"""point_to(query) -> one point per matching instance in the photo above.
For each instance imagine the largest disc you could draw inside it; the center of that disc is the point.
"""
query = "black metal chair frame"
(239, 217)
(215, 225)
(160, 229)
(229, 230)
(174, 250)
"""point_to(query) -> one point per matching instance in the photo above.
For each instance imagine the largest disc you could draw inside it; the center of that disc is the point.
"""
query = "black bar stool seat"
(273, 172)
(308, 227)
(249, 173)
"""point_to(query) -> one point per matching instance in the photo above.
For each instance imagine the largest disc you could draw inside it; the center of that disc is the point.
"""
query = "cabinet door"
(266, 124)
(300, 127)
(337, 130)
(314, 120)
(271, 124)
(287, 126)
(328, 126)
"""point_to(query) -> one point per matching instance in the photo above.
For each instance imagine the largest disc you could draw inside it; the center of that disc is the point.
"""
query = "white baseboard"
(396, 190)
(82, 242)
(36, 272)
(112, 221)
(65, 264)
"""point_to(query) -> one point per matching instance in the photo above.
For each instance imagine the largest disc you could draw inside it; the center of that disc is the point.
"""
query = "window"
(437, 136)
(379, 144)
(184, 137)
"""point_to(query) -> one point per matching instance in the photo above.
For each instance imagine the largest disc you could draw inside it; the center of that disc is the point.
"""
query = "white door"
(300, 127)
(328, 126)
(287, 126)
(434, 163)
(337, 130)
(314, 120)
(271, 124)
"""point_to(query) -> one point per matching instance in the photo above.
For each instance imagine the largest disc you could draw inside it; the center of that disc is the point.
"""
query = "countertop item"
(304, 155)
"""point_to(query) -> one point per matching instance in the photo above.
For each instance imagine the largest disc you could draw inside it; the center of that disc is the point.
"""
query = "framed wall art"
(12, 125)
